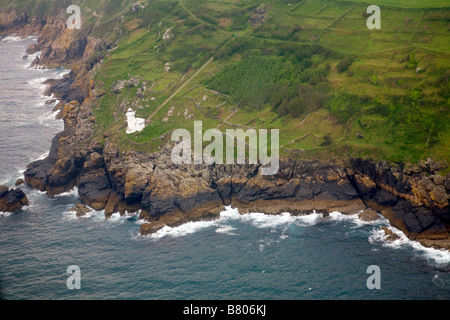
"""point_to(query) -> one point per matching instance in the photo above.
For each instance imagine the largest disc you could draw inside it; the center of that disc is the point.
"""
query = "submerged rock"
(80, 210)
(390, 235)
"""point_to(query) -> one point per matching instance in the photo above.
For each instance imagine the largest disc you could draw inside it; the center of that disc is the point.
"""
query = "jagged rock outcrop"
(94, 187)
(164, 190)
(413, 197)
(12, 200)
(12, 21)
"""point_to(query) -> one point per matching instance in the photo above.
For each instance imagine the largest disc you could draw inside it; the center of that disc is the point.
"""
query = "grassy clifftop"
(310, 68)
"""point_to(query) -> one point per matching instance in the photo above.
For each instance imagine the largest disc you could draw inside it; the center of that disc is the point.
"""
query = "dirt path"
(147, 121)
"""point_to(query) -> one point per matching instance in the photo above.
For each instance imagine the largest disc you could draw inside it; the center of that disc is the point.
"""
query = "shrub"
(344, 64)
(326, 141)
(416, 94)
(374, 79)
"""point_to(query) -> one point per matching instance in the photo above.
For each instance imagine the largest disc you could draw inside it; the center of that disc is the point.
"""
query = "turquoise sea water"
(250, 256)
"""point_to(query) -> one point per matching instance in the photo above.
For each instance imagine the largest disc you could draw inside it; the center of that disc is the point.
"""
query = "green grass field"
(379, 107)
(310, 68)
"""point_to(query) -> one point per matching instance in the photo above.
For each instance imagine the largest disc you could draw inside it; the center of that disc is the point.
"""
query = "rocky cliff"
(415, 198)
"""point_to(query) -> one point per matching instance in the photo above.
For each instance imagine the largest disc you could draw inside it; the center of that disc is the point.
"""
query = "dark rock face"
(53, 174)
(12, 200)
(11, 20)
(94, 188)
(413, 198)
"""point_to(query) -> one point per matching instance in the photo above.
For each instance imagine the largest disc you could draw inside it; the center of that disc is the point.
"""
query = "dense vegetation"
(284, 78)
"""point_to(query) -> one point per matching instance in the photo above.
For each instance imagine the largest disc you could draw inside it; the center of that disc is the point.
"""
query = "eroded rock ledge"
(415, 199)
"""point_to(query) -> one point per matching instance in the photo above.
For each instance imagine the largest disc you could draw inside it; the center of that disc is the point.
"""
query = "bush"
(344, 64)
(326, 141)
(374, 79)
(416, 94)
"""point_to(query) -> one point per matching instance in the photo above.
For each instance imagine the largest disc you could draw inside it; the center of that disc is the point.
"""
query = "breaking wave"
(441, 257)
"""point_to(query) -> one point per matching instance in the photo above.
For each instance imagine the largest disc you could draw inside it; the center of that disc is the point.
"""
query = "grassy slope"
(402, 115)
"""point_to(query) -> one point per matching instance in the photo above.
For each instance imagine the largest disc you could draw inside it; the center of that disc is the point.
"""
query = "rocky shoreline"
(414, 198)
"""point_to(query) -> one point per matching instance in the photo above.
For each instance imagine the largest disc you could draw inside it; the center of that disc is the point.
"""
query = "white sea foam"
(257, 219)
(140, 221)
(96, 215)
(38, 83)
(70, 193)
(93, 214)
(49, 118)
(275, 222)
(184, 229)
(42, 156)
(13, 177)
(354, 219)
(71, 215)
(118, 218)
(442, 280)
(29, 60)
(10, 38)
(5, 214)
(62, 73)
(226, 230)
(14, 37)
(378, 236)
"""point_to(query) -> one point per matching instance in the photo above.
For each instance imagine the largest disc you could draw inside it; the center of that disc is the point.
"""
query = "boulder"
(439, 196)
(368, 215)
(3, 190)
(447, 182)
(390, 235)
(62, 174)
(96, 159)
(12, 200)
(437, 179)
(80, 210)
(118, 86)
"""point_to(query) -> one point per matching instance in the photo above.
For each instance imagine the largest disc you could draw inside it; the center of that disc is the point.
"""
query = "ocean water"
(239, 256)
